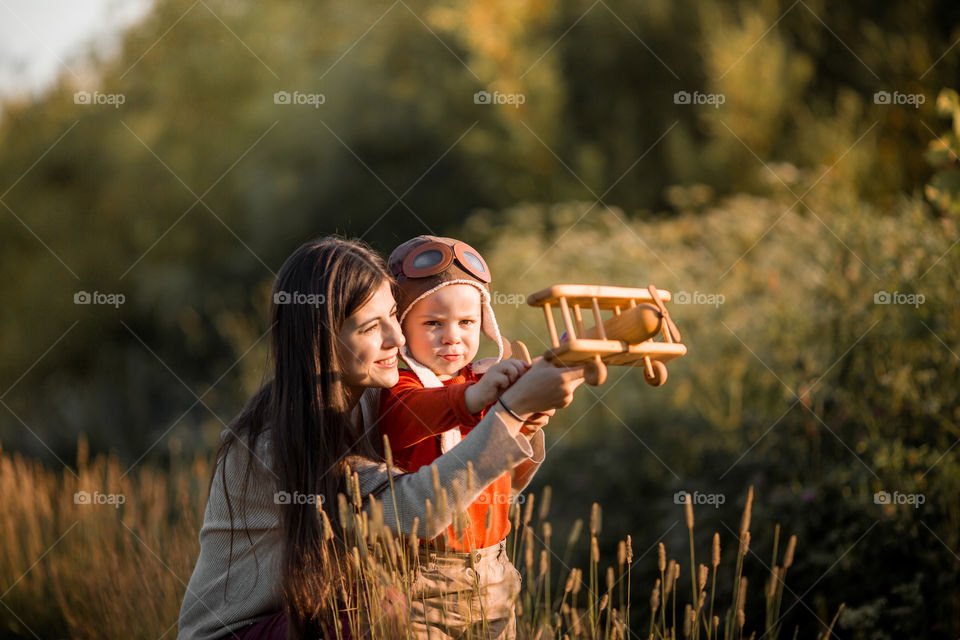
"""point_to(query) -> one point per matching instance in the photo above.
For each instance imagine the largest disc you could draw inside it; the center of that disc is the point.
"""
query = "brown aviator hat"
(424, 264)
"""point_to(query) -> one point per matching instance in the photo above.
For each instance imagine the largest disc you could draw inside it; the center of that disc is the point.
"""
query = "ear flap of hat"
(489, 325)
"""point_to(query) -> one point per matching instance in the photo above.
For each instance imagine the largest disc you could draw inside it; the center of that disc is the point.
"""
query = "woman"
(334, 344)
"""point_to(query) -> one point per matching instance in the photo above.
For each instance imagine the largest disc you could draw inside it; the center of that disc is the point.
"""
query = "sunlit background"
(42, 39)
(789, 170)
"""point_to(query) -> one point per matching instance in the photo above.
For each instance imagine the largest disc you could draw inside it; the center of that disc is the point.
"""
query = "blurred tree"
(187, 197)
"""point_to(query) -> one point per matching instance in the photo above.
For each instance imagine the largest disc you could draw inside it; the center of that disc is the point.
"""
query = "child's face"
(443, 329)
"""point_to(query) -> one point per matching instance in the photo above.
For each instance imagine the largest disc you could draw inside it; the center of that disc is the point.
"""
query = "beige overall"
(465, 595)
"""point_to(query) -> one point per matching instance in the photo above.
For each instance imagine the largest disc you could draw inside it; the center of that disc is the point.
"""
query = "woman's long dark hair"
(302, 411)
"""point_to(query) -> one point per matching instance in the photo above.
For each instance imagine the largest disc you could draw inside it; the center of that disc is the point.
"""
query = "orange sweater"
(413, 417)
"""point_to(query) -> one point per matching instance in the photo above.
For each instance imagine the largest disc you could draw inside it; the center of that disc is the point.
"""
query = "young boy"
(443, 304)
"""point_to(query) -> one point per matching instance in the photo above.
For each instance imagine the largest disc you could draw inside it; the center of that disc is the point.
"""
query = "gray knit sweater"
(253, 589)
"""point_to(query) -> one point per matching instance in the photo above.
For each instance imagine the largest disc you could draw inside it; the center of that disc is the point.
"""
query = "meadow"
(789, 171)
(95, 554)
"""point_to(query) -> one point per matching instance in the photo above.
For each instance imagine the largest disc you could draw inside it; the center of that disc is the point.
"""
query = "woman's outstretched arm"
(523, 473)
(492, 447)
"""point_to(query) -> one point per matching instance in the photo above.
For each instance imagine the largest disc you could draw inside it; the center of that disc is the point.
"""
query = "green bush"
(800, 380)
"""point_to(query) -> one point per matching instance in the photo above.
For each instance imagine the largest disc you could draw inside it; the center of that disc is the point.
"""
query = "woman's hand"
(536, 422)
(542, 388)
(494, 382)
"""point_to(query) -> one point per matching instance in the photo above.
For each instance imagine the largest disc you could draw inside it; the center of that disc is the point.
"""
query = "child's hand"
(495, 381)
(543, 387)
(482, 365)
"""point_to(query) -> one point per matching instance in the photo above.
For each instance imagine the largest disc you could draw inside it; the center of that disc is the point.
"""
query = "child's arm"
(410, 413)
(494, 382)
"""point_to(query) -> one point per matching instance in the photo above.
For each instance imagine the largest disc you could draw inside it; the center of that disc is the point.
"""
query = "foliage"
(791, 208)
(98, 198)
(820, 368)
(943, 154)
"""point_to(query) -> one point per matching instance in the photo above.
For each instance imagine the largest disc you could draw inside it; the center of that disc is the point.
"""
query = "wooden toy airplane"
(625, 339)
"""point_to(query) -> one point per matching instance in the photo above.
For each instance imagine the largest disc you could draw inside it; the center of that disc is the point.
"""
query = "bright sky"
(40, 39)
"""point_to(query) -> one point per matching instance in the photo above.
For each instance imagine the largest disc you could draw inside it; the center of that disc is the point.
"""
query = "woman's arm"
(493, 447)
(523, 473)
(533, 430)
(233, 580)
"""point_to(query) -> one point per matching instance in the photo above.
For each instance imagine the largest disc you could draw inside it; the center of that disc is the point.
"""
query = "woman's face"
(370, 340)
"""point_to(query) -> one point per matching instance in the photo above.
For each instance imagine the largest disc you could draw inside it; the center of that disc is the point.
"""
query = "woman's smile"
(387, 363)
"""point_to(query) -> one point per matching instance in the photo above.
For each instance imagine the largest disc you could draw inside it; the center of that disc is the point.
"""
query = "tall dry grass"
(112, 567)
(82, 569)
